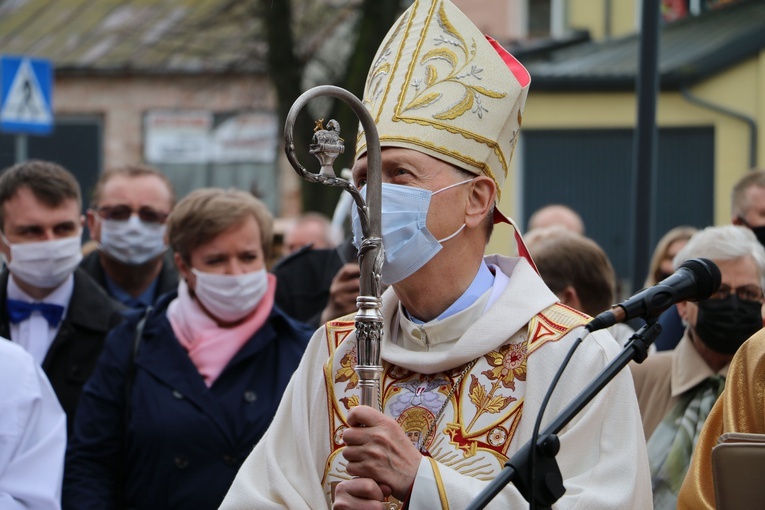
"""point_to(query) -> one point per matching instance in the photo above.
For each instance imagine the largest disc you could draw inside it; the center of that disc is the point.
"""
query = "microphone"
(694, 280)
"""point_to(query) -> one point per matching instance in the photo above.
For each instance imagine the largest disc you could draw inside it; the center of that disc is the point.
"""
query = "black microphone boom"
(694, 280)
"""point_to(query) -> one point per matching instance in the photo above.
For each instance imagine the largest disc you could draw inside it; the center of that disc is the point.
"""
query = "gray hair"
(729, 242)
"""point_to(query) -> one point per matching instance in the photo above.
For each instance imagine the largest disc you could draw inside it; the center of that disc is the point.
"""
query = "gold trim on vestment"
(440, 484)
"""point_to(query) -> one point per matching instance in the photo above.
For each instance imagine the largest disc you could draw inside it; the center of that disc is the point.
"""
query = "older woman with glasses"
(676, 389)
(183, 392)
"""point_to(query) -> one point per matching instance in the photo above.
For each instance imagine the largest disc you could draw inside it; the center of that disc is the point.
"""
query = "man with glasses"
(676, 389)
(127, 219)
(47, 305)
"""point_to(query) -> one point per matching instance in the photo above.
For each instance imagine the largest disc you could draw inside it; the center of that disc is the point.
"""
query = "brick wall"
(122, 101)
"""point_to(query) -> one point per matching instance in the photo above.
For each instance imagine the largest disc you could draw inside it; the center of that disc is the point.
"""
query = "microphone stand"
(548, 482)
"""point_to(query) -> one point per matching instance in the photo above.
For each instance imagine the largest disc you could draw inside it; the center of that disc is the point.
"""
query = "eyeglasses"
(123, 213)
(744, 293)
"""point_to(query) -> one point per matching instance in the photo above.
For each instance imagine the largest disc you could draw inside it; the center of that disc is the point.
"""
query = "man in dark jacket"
(48, 306)
(127, 219)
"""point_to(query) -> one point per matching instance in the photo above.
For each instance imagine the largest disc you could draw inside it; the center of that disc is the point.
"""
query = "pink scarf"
(210, 346)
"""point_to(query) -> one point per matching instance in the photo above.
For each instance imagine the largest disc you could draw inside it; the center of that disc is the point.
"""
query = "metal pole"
(644, 158)
(21, 148)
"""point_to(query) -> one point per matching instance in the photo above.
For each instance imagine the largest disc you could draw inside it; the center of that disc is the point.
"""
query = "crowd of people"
(167, 365)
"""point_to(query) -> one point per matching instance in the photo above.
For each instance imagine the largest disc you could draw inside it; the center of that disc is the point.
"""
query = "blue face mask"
(408, 243)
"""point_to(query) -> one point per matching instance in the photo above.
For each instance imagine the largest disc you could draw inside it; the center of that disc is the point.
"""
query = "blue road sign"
(26, 95)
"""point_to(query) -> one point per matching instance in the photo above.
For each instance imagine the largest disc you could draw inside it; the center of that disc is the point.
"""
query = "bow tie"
(21, 310)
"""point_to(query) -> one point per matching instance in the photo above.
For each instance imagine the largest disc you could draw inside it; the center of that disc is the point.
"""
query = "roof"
(141, 36)
(689, 51)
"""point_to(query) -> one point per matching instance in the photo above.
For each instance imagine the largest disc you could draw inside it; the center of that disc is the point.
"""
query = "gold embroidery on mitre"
(438, 86)
(381, 69)
(458, 74)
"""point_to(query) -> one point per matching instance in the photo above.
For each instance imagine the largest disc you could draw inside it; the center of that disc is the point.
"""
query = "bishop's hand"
(377, 448)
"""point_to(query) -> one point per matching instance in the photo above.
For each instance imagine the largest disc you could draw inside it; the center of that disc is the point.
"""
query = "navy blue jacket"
(184, 442)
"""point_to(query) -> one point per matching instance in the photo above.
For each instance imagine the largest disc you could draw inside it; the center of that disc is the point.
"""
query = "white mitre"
(439, 86)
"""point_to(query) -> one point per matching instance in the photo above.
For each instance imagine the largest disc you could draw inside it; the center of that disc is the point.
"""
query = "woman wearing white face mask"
(170, 413)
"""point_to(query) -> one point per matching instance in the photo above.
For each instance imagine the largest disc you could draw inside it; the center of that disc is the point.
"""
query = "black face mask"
(724, 324)
(759, 232)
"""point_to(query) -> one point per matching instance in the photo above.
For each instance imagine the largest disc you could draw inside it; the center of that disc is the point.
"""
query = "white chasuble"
(468, 421)
(465, 417)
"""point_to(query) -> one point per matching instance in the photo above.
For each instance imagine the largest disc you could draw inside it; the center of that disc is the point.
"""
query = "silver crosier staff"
(326, 146)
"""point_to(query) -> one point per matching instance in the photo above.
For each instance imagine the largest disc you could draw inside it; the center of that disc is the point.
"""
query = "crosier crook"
(326, 146)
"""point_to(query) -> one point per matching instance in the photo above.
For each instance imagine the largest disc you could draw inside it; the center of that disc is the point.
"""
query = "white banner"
(248, 137)
(192, 137)
(177, 137)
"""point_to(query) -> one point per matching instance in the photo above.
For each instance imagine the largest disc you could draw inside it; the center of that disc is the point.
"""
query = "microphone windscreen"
(707, 276)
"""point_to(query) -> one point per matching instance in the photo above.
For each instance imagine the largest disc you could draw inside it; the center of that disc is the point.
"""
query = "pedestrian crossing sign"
(26, 95)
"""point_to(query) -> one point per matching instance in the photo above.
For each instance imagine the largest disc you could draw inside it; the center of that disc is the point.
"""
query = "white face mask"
(133, 241)
(230, 298)
(44, 264)
(407, 242)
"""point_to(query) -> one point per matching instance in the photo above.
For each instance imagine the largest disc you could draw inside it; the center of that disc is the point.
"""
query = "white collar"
(518, 295)
(438, 334)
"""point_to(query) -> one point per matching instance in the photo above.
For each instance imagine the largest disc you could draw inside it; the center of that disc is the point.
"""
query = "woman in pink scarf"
(173, 409)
